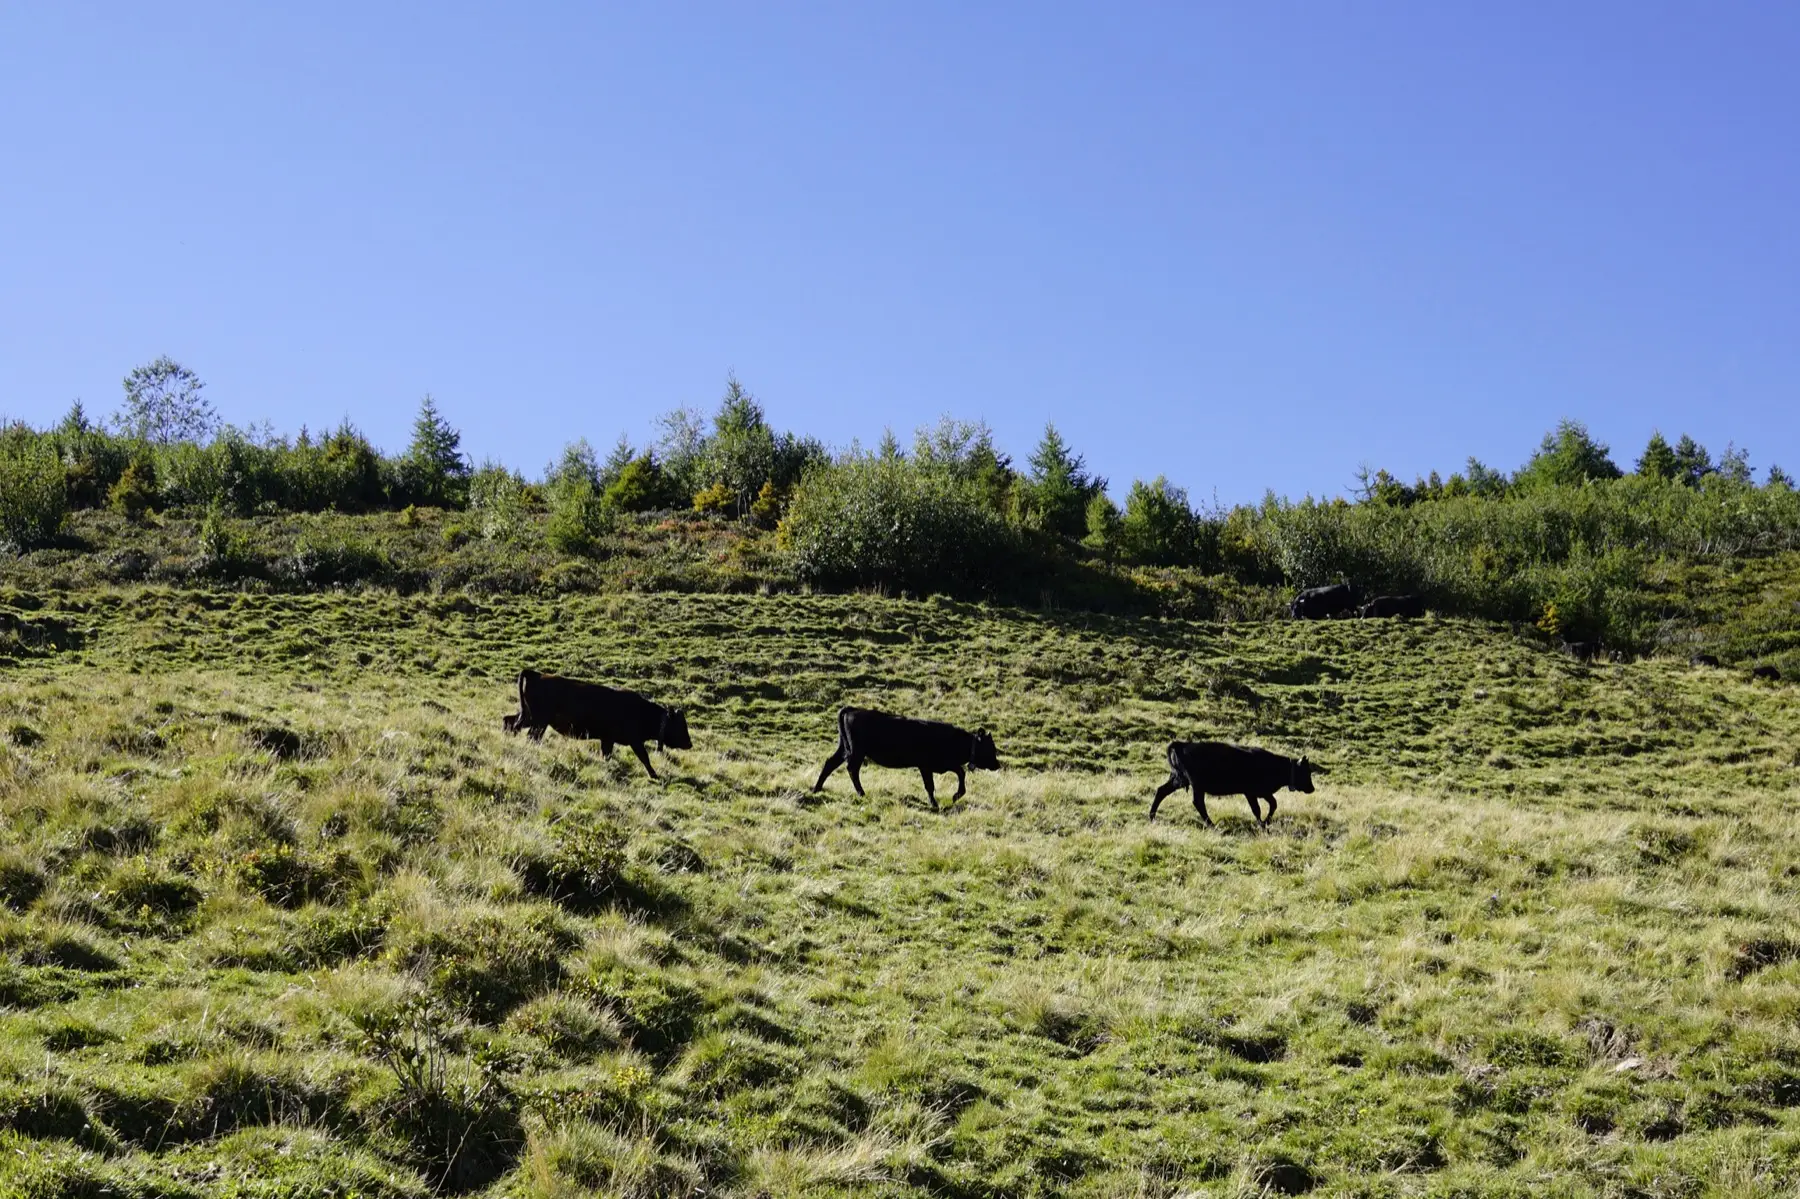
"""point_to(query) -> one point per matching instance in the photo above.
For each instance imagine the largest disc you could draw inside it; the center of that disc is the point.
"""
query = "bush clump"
(875, 521)
(34, 499)
(582, 868)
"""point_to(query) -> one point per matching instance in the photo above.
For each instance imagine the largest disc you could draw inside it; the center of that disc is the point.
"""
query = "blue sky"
(1245, 246)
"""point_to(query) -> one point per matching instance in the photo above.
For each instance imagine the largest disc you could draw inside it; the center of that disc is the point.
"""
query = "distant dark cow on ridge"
(594, 712)
(1584, 651)
(1394, 605)
(1703, 660)
(1765, 672)
(928, 746)
(1318, 603)
(1215, 768)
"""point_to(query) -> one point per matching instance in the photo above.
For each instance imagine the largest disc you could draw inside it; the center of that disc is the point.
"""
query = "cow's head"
(511, 723)
(674, 731)
(1302, 776)
(982, 755)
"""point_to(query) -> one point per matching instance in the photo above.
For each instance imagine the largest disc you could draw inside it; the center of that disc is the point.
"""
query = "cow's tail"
(525, 677)
(1177, 770)
(844, 729)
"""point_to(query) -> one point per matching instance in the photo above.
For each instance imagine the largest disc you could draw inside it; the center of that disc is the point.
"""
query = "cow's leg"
(1200, 807)
(605, 748)
(535, 732)
(1255, 812)
(1270, 800)
(1175, 783)
(962, 785)
(643, 755)
(832, 763)
(930, 793)
(853, 764)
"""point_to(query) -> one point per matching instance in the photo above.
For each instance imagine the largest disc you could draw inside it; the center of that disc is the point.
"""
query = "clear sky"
(1246, 246)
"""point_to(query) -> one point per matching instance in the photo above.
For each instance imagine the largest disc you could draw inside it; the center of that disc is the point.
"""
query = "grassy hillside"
(283, 912)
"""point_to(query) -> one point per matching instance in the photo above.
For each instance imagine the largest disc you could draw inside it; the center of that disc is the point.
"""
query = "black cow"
(1765, 672)
(1584, 651)
(928, 746)
(1317, 603)
(594, 712)
(1215, 768)
(1394, 605)
(1703, 660)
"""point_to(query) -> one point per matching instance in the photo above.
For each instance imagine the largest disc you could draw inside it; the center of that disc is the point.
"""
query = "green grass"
(283, 912)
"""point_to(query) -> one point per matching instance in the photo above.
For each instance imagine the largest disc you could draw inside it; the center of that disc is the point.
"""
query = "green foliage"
(224, 547)
(875, 521)
(716, 500)
(497, 501)
(584, 865)
(579, 518)
(163, 404)
(33, 495)
(1054, 497)
(766, 511)
(1658, 460)
(1159, 528)
(1568, 456)
(681, 448)
(743, 452)
(965, 452)
(1103, 526)
(434, 470)
(453, 1114)
(1692, 462)
(135, 492)
(329, 556)
(639, 486)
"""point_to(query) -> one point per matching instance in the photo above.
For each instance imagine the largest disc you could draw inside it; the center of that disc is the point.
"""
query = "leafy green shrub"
(341, 471)
(496, 499)
(578, 519)
(324, 557)
(881, 521)
(584, 867)
(135, 492)
(224, 547)
(716, 500)
(766, 510)
(455, 1115)
(640, 486)
(34, 498)
(1159, 528)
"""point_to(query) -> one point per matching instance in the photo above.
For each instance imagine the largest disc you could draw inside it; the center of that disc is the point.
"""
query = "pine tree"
(1692, 462)
(1658, 460)
(1057, 492)
(434, 470)
(1568, 455)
